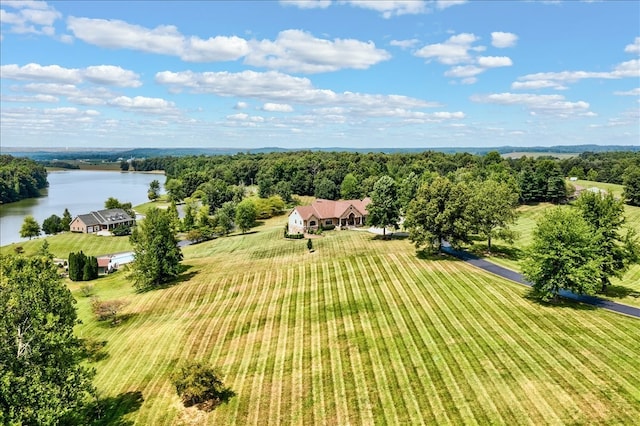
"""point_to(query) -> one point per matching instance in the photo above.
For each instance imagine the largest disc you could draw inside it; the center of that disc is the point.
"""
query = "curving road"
(514, 276)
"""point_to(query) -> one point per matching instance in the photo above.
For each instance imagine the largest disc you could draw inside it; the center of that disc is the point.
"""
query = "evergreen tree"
(154, 190)
(631, 183)
(66, 220)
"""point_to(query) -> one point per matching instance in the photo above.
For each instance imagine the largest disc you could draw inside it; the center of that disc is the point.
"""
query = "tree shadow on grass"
(211, 404)
(499, 251)
(620, 292)
(393, 236)
(560, 303)
(93, 349)
(426, 254)
(111, 411)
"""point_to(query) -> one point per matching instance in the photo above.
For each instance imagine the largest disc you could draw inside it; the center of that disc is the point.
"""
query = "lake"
(80, 191)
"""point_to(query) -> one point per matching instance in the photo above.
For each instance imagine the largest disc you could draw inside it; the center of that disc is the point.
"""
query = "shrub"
(197, 383)
(121, 230)
(328, 227)
(86, 290)
(295, 236)
(107, 310)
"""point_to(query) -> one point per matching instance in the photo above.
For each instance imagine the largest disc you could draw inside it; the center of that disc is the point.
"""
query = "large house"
(343, 213)
(102, 220)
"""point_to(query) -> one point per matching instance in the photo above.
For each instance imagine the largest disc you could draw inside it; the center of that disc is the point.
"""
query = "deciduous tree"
(384, 209)
(245, 215)
(438, 214)
(156, 252)
(52, 224)
(491, 209)
(30, 228)
(563, 255)
(42, 379)
(154, 190)
(617, 250)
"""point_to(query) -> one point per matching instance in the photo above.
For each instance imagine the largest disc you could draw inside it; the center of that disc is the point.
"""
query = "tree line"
(20, 178)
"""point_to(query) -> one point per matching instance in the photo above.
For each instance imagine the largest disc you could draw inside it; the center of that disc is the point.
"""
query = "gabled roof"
(105, 217)
(328, 209)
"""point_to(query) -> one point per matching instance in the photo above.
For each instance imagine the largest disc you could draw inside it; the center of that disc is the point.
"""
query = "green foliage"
(438, 213)
(605, 215)
(82, 267)
(175, 190)
(157, 255)
(492, 208)
(188, 221)
(107, 310)
(52, 225)
(384, 209)
(20, 178)
(124, 166)
(350, 188)
(246, 215)
(154, 190)
(225, 216)
(114, 203)
(42, 379)
(196, 383)
(30, 228)
(632, 186)
(325, 189)
(121, 230)
(563, 255)
(66, 220)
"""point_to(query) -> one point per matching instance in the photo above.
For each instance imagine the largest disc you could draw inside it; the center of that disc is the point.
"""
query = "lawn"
(625, 290)
(61, 244)
(361, 331)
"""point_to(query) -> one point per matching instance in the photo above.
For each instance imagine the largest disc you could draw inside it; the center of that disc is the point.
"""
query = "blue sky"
(303, 74)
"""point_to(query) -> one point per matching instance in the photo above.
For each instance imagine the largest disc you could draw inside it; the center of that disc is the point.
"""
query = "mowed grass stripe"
(317, 366)
(282, 348)
(297, 366)
(407, 317)
(261, 389)
(361, 410)
(334, 361)
(537, 360)
(243, 345)
(556, 365)
(373, 334)
(407, 400)
(409, 298)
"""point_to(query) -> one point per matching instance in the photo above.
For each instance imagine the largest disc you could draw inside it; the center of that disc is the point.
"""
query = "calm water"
(80, 191)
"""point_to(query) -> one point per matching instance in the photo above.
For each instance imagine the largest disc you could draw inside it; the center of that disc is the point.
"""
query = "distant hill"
(48, 154)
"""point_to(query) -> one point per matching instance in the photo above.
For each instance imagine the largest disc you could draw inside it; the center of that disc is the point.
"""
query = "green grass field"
(361, 331)
(61, 244)
(625, 290)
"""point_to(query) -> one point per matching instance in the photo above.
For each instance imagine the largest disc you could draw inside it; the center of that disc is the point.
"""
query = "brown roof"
(327, 209)
(103, 262)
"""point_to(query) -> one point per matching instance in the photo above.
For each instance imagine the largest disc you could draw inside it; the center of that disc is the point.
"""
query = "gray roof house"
(102, 220)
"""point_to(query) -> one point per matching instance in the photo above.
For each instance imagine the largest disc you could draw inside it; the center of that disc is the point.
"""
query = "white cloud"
(633, 47)
(100, 74)
(389, 8)
(241, 105)
(164, 39)
(544, 104)
(558, 80)
(307, 4)
(537, 84)
(443, 4)
(35, 17)
(453, 51)
(273, 107)
(501, 40)
(404, 44)
(31, 99)
(276, 87)
(462, 71)
(299, 51)
(632, 92)
(144, 104)
(494, 61)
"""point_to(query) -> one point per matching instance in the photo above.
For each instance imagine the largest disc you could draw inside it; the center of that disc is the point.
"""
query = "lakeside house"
(342, 213)
(101, 220)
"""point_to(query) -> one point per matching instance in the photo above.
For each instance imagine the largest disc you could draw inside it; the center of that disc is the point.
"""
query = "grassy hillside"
(361, 331)
(61, 244)
(625, 290)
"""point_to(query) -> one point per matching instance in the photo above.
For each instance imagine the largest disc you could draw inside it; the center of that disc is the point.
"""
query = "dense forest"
(20, 178)
(334, 175)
